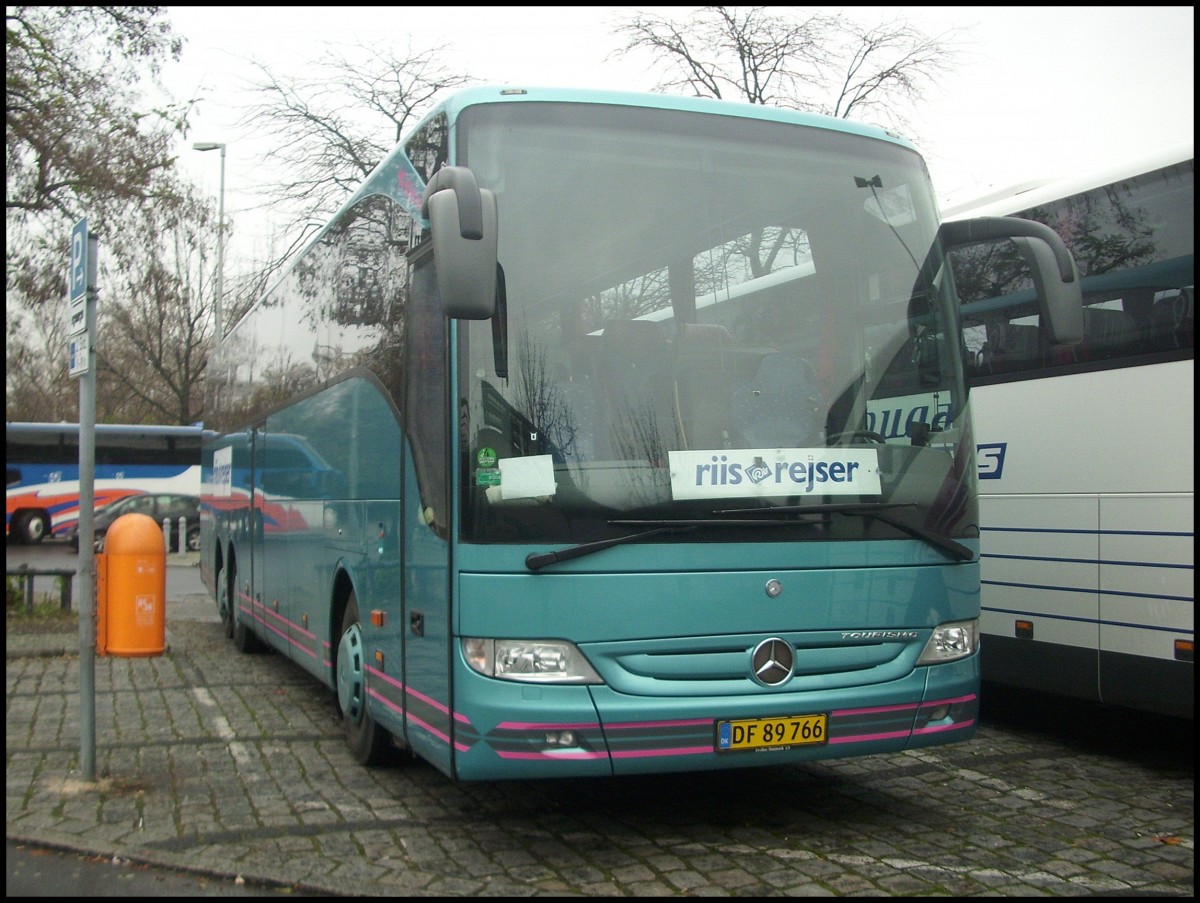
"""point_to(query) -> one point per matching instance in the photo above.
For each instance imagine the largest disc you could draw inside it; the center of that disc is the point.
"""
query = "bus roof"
(460, 100)
(1034, 193)
(128, 429)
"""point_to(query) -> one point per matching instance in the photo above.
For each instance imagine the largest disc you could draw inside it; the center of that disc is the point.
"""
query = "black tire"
(369, 743)
(193, 539)
(32, 528)
(224, 603)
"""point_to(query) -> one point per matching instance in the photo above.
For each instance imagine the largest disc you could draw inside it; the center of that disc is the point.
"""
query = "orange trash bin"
(131, 589)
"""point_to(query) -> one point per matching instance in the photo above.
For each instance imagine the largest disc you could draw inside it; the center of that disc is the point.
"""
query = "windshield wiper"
(953, 548)
(537, 560)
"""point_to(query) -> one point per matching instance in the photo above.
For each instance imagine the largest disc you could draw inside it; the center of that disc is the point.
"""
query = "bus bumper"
(526, 732)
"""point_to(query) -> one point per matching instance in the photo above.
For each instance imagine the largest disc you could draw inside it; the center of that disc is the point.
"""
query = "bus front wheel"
(369, 742)
(32, 528)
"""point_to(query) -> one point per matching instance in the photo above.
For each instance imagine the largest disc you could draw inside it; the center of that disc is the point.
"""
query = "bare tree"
(735, 54)
(338, 121)
(884, 69)
(816, 61)
(72, 127)
(156, 330)
(78, 141)
(37, 385)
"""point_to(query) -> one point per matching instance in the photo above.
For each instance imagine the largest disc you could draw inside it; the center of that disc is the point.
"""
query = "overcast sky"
(1039, 92)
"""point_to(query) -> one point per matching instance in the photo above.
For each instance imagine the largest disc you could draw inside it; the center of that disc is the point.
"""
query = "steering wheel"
(856, 435)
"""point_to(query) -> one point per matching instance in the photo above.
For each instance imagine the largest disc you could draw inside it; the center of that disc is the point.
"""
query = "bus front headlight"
(951, 641)
(530, 661)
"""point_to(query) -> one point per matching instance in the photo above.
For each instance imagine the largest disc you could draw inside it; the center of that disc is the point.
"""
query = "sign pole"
(83, 280)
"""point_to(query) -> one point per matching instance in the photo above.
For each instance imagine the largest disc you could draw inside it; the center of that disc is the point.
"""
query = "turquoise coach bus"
(550, 454)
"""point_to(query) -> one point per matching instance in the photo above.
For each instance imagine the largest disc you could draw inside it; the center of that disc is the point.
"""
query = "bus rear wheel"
(370, 743)
(244, 639)
(224, 602)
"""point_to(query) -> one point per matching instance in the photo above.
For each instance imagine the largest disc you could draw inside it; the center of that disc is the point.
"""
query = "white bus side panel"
(1039, 560)
(1087, 512)
(1129, 430)
(1148, 581)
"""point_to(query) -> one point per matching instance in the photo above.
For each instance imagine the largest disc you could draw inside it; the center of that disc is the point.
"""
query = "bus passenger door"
(425, 518)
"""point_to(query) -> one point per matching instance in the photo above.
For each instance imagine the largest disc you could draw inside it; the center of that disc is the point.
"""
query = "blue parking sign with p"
(77, 279)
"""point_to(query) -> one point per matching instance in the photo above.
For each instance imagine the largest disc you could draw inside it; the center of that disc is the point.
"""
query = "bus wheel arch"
(370, 743)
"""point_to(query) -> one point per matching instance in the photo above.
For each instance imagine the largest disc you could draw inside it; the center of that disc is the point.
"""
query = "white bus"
(1085, 455)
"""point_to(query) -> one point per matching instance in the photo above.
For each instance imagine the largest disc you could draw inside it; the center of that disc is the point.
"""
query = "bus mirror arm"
(1061, 302)
(462, 218)
(1054, 274)
(500, 327)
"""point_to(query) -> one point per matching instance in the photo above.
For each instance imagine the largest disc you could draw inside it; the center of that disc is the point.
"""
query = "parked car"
(158, 505)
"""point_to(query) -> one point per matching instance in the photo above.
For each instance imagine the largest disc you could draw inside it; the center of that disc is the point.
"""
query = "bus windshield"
(707, 330)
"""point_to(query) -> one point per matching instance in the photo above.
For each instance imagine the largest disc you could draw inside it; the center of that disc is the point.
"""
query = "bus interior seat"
(632, 377)
(700, 372)
(570, 426)
(1172, 321)
(1106, 332)
(778, 408)
(1012, 346)
(900, 373)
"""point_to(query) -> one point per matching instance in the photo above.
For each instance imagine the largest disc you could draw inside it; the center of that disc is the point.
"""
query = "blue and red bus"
(42, 471)
(550, 454)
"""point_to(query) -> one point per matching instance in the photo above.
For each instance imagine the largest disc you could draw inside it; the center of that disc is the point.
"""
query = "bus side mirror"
(1055, 278)
(462, 218)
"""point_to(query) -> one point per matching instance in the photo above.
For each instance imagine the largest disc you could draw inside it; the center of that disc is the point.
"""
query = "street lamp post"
(220, 299)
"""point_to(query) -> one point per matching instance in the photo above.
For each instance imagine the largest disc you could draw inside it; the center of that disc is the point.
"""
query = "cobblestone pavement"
(226, 764)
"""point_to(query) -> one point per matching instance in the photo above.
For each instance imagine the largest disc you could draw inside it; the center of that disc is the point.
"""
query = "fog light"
(561, 739)
(938, 712)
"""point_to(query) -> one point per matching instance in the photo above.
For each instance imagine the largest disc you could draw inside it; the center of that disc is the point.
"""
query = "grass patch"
(46, 614)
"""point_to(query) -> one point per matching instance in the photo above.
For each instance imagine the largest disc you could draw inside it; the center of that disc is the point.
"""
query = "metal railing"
(27, 575)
